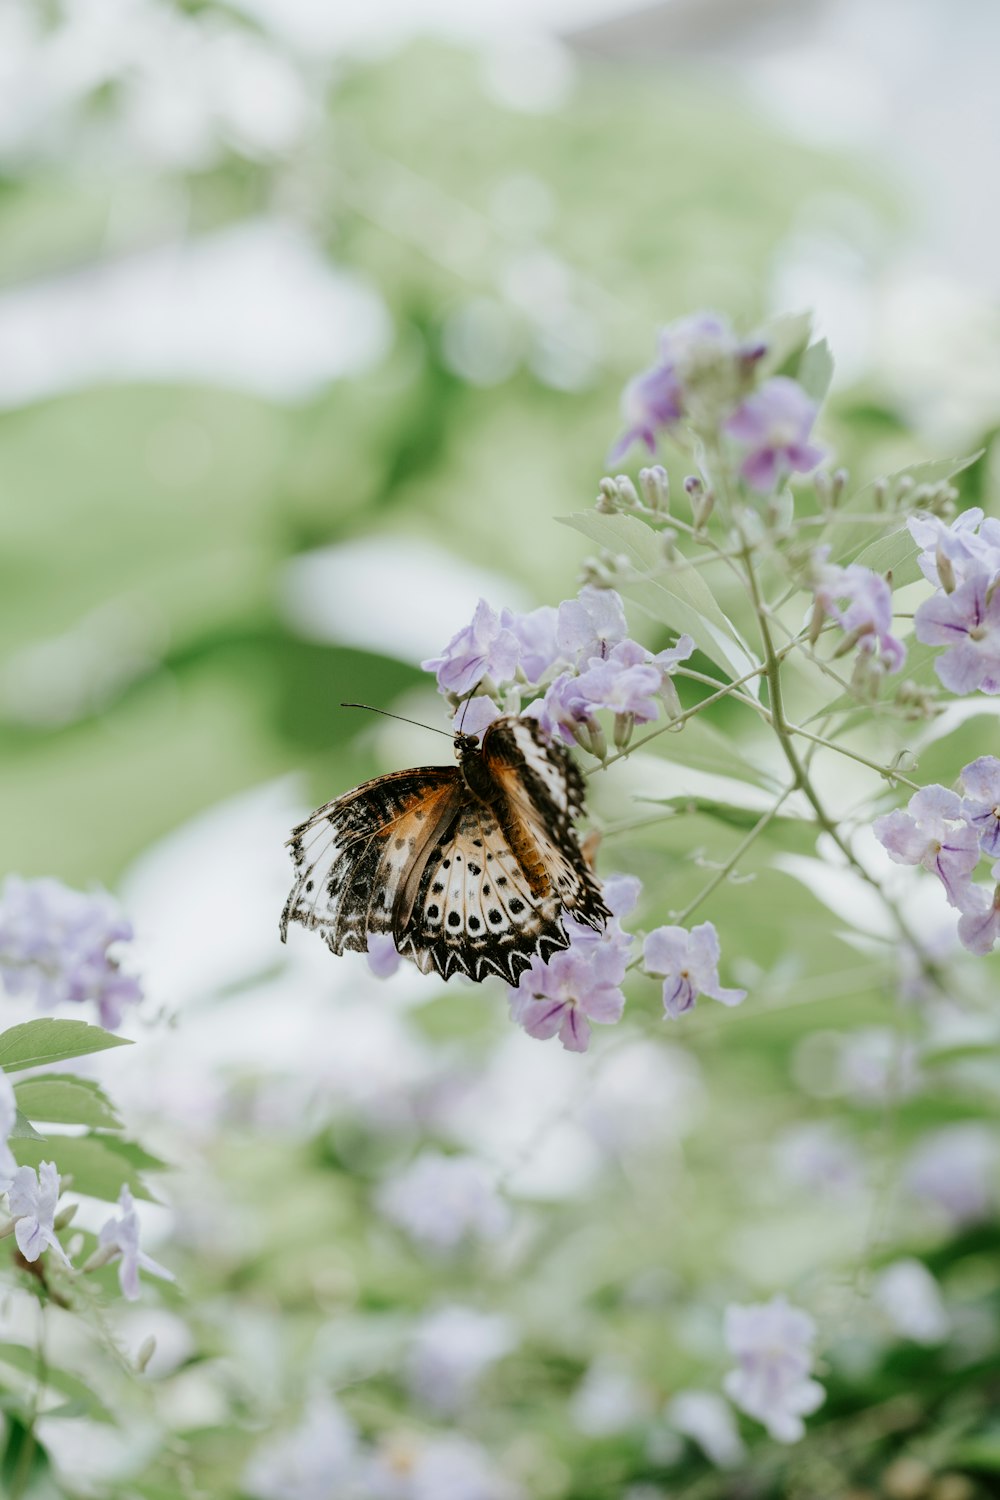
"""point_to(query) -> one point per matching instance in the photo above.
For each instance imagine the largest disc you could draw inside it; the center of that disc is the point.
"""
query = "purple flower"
(581, 983)
(563, 712)
(32, 1202)
(55, 942)
(536, 636)
(772, 1345)
(774, 425)
(452, 1348)
(383, 959)
(910, 1298)
(967, 621)
(590, 625)
(981, 803)
(651, 403)
(434, 1467)
(933, 832)
(955, 1169)
(689, 964)
(475, 715)
(969, 546)
(867, 618)
(483, 649)
(122, 1236)
(319, 1459)
(979, 924)
(708, 1420)
(622, 689)
(439, 1201)
(8, 1116)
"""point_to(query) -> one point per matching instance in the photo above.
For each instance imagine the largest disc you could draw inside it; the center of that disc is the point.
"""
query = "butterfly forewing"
(470, 870)
(352, 857)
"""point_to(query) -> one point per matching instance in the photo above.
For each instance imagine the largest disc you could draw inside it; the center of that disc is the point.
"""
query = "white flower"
(8, 1114)
(708, 1421)
(911, 1300)
(441, 1200)
(452, 1347)
(771, 1342)
(315, 1462)
(32, 1200)
(122, 1235)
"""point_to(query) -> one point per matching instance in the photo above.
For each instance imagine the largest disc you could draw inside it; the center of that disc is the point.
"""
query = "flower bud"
(146, 1351)
(624, 725)
(65, 1216)
(702, 509)
(101, 1257)
(840, 478)
(946, 571)
(816, 622)
(628, 495)
(655, 486)
(668, 542)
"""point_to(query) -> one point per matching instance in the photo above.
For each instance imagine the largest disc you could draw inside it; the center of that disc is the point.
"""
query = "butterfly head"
(466, 744)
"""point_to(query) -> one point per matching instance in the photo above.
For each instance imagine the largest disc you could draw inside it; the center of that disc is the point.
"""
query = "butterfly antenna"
(387, 715)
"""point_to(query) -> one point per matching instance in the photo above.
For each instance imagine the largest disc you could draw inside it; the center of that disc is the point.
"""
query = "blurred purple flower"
(581, 983)
(955, 1169)
(483, 649)
(979, 924)
(819, 1157)
(772, 1345)
(439, 1201)
(967, 621)
(651, 402)
(590, 625)
(536, 636)
(868, 615)
(55, 942)
(774, 425)
(8, 1117)
(933, 832)
(910, 1298)
(609, 1400)
(383, 959)
(122, 1234)
(316, 1461)
(981, 803)
(708, 1420)
(689, 964)
(435, 1467)
(452, 1347)
(970, 546)
(32, 1200)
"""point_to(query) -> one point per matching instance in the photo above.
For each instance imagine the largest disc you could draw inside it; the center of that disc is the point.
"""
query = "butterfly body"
(469, 867)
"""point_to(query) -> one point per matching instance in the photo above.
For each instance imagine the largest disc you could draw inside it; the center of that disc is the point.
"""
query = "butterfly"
(469, 867)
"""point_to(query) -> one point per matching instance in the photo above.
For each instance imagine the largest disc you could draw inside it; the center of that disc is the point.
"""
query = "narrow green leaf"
(97, 1169)
(33, 1043)
(816, 370)
(62, 1099)
(679, 597)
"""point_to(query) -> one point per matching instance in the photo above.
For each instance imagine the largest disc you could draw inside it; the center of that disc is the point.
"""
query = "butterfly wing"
(354, 856)
(494, 887)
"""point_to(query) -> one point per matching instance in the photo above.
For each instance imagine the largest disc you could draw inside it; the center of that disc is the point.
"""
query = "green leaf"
(816, 370)
(679, 597)
(17, 1357)
(62, 1099)
(897, 553)
(24, 1130)
(743, 818)
(785, 336)
(97, 1168)
(701, 746)
(848, 536)
(136, 1155)
(46, 1041)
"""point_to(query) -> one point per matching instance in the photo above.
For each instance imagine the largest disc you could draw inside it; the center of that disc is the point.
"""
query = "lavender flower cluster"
(57, 945)
(948, 835)
(577, 658)
(963, 614)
